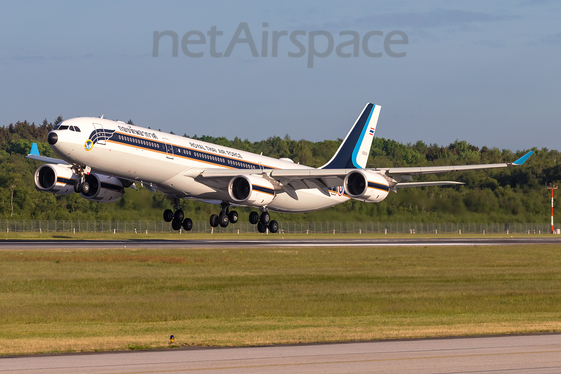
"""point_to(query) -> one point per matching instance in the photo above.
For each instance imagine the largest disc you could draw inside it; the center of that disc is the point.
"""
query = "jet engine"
(58, 179)
(103, 188)
(251, 190)
(366, 186)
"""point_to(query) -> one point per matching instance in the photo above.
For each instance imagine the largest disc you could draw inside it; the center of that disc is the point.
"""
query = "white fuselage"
(171, 163)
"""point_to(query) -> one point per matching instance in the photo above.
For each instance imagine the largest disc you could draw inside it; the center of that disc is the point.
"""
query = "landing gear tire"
(176, 225)
(187, 224)
(77, 187)
(85, 188)
(214, 220)
(233, 216)
(273, 227)
(253, 218)
(265, 218)
(178, 216)
(168, 215)
(261, 227)
(224, 220)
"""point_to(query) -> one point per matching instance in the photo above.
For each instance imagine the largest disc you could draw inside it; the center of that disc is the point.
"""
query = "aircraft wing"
(34, 155)
(286, 180)
(403, 174)
(323, 179)
(302, 178)
(46, 159)
(426, 184)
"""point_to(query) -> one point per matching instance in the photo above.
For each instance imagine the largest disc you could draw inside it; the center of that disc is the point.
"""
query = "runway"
(262, 243)
(503, 354)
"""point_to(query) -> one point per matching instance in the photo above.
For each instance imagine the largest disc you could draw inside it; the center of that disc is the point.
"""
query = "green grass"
(242, 236)
(59, 301)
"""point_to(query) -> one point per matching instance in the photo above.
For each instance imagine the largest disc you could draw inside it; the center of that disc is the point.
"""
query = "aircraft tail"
(354, 151)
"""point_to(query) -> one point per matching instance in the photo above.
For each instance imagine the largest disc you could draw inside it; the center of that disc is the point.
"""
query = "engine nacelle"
(103, 189)
(58, 179)
(251, 190)
(366, 186)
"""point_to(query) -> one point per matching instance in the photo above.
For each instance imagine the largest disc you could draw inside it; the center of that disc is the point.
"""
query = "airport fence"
(242, 226)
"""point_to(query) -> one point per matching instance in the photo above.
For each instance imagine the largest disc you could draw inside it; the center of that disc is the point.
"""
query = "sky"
(480, 71)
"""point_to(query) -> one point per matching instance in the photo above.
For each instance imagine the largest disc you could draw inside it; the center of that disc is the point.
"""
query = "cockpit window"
(67, 127)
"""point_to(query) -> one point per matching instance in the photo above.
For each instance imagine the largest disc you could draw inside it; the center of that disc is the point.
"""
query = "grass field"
(65, 301)
(12, 235)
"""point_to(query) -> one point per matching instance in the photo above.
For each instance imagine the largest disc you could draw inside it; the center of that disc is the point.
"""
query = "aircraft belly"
(308, 200)
(185, 186)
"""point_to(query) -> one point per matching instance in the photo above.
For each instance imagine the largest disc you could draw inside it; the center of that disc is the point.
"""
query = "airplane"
(100, 158)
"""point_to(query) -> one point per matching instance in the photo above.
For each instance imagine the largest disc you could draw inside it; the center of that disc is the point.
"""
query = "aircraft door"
(169, 148)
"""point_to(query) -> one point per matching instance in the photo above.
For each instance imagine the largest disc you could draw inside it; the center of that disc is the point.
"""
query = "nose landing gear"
(81, 186)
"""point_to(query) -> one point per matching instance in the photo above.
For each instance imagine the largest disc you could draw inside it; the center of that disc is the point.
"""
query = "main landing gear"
(178, 219)
(225, 216)
(263, 221)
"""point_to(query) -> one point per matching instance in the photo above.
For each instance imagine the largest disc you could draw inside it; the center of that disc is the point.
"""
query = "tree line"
(514, 194)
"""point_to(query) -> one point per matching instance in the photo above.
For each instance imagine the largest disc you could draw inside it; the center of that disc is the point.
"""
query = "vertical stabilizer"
(354, 151)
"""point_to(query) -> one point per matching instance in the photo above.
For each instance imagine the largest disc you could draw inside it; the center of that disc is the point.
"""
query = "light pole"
(551, 187)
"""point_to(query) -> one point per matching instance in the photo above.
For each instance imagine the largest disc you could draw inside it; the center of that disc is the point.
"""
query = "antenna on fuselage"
(101, 116)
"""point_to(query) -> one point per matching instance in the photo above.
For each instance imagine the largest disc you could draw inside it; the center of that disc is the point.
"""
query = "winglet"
(523, 159)
(34, 150)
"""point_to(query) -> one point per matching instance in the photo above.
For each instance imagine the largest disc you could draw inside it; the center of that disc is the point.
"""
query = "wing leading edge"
(405, 174)
(34, 155)
(322, 179)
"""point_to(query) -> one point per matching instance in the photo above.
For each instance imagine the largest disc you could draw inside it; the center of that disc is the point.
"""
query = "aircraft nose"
(53, 138)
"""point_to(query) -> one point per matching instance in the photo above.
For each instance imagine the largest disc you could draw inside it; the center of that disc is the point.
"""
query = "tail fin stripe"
(360, 140)
(354, 151)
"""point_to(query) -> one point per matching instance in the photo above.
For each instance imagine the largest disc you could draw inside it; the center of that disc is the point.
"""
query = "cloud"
(39, 59)
(489, 43)
(552, 39)
(538, 2)
(432, 19)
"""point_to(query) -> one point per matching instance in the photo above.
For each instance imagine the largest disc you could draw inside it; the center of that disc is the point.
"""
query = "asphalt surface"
(504, 354)
(85, 244)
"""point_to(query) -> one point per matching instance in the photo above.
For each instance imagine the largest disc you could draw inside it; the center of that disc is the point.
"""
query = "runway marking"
(336, 362)
(281, 243)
